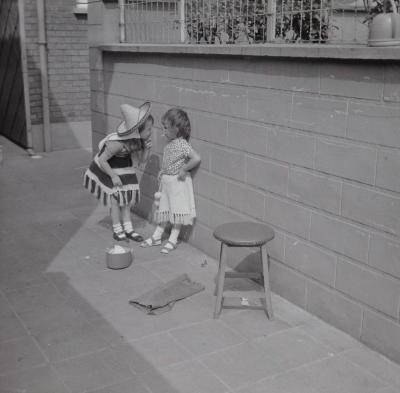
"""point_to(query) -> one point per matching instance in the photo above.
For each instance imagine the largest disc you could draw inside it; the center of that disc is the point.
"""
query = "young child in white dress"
(176, 199)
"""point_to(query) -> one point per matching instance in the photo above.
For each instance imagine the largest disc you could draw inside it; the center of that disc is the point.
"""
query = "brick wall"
(32, 49)
(310, 147)
(68, 62)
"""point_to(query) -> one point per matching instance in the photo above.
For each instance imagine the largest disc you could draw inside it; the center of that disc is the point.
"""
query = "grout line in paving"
(204, 355)
(37, 365)
(24, 287)
(236, 332)
(60, 377)
(180, 345)
(97, 350)
(342, 355)
(215, 375)
(21, 321)
(316, 340)
(272, 376)
(115, 383)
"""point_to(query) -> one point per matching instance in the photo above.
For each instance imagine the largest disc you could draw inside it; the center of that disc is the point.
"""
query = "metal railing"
(243, 21)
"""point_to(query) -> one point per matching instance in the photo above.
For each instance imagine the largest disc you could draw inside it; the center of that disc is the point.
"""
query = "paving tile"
(327, 376)
(132, 281)
(75, 280)
(146, 255)
(283, 383)
(205, 301)
(81, 305)
(41, 319)
(15, 211)
(168, 269)
(42, 379)
(132, 385)
(388, 389)
(189, 377)
(104, 304)
(136, 324)
(15, 275)
(292, 348)
(92, 371)
(254, 323)
(133, 325)
(376, 364)
(151, 352)
(336, 375)
(19, 354)
(10, 326)
(62, 230)
(108, 332)
(69, 342)
(207, 336)
(39, 296)
(241, 364)
(335, 339)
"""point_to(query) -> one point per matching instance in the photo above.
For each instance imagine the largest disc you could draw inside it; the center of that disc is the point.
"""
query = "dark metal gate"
(12, 105)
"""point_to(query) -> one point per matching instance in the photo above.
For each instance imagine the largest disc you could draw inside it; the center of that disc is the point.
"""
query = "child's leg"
(155, 239)
(127, 224)
(119, 233)
(173, 239)
(158, 232)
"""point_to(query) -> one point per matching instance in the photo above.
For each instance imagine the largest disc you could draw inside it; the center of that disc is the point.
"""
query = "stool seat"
(242, 234)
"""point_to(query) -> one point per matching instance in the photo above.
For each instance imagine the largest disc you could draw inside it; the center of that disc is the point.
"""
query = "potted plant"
(384, 22)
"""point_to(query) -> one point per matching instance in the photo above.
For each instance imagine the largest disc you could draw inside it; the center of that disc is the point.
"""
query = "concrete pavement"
(67, 327)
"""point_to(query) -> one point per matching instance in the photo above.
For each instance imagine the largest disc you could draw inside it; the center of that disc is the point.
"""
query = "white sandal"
(168, 247)
(150, 242)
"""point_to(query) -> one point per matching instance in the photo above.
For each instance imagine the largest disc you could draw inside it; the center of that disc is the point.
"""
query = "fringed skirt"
(176, 202)
(97, 182)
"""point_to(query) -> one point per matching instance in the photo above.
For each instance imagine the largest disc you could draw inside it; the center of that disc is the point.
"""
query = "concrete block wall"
(68, 69)
(310, 147)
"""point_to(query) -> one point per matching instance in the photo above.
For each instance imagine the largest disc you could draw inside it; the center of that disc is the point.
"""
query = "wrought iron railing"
(243, 21)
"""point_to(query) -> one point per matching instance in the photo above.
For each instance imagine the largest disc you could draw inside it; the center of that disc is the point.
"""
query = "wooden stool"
(243, 234)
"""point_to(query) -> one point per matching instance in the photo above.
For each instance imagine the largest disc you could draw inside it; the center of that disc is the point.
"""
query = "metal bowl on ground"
(121, 259)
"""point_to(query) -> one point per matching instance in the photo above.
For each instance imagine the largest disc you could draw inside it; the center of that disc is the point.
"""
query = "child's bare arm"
(111, 149)
(193, 162)
(144, 154)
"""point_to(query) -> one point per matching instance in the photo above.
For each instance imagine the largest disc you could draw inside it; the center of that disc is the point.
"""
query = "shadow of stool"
(243, 234)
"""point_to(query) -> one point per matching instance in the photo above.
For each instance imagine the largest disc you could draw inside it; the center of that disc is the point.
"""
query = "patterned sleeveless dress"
(98, 183)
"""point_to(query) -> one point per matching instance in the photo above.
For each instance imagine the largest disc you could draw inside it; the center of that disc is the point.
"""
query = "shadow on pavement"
(66, 322)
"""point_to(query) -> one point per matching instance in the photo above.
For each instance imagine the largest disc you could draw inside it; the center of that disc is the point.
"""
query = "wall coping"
(350, 52)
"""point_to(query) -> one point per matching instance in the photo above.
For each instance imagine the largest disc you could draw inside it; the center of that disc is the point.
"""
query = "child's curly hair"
(178, 118)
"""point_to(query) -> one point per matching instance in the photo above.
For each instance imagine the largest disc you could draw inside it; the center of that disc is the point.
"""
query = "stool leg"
(219, 269)
(268, 303)
(220, 281)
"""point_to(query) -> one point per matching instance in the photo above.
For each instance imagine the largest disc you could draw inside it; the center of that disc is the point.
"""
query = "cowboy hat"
(133, 119)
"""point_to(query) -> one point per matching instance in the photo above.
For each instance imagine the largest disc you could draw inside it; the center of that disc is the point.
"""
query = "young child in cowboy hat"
(111, 176)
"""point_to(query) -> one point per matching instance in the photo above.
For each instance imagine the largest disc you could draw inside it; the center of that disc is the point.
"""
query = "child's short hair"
(178, 118)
